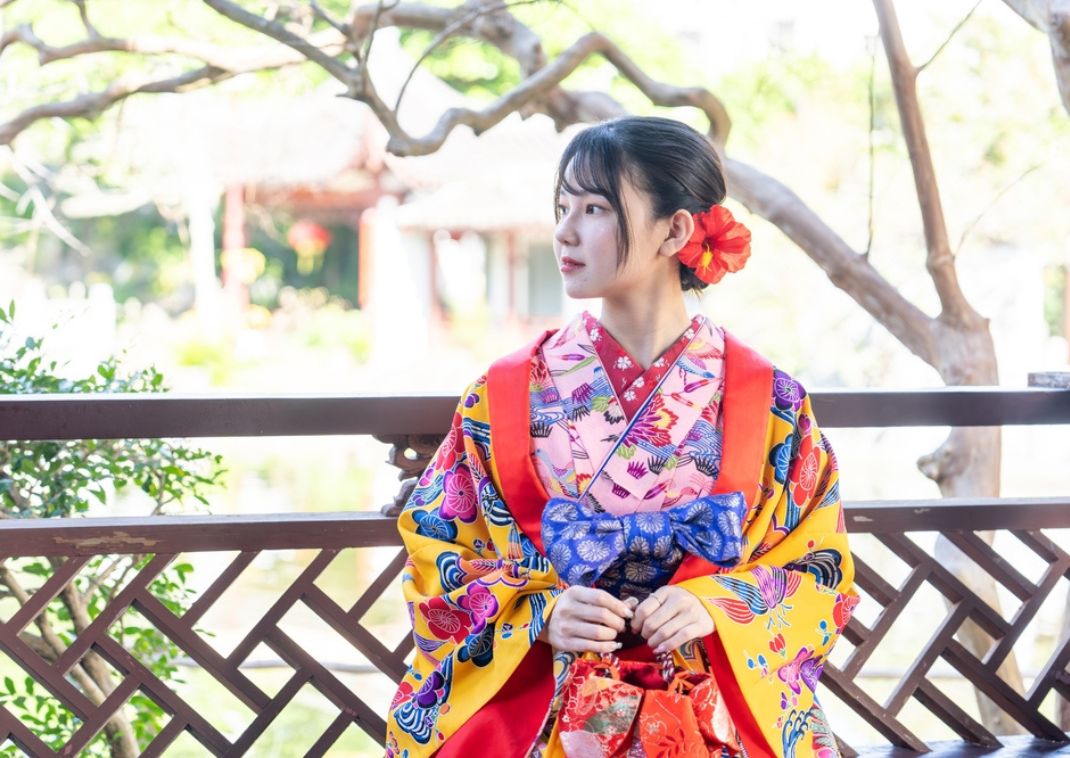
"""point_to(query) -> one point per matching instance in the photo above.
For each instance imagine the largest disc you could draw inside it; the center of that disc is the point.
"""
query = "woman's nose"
(565, 232)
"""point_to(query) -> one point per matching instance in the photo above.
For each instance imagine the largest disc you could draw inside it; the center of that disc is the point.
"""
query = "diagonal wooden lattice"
(71, 543)
(964, 605)
(134, 676)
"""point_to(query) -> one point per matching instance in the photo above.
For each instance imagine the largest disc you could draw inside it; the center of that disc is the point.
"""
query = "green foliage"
(44, 479)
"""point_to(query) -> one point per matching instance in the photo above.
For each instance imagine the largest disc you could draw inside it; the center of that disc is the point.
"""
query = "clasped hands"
(586, 619)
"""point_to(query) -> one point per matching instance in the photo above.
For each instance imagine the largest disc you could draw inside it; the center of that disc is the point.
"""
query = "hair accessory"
(719, 245)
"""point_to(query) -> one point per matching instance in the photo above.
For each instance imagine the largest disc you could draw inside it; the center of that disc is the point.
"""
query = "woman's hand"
(585, 619)
(670, 617)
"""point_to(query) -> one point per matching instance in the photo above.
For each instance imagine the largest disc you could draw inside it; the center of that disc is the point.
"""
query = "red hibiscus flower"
(444, 621)
(719, 245)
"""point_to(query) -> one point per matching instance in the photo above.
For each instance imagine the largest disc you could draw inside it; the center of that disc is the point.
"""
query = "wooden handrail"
(81, 416)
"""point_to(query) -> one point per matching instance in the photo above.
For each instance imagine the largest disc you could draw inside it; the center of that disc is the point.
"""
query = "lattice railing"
(895, 571)
(69, 544)
(964, 526)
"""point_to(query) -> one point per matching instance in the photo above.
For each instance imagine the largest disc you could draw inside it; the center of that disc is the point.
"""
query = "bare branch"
(212, 55)
(42, 211)
(378, 14)
(847, 269)
(93, 103)
(1053, 18)
(950, 36)
(549, 77)
(326, 17)
(939, 261)
(277, 31)
(1034, 11)
(448, 32)
(991, 204)
(84, 15)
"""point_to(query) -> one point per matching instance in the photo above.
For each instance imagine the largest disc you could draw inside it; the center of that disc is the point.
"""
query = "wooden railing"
(413, 426)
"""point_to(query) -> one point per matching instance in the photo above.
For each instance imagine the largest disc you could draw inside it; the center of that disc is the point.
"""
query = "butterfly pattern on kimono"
(479, 590)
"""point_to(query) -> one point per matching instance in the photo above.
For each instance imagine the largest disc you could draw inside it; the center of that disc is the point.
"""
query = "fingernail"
(659, 650)
(628, 613)
(618, 645)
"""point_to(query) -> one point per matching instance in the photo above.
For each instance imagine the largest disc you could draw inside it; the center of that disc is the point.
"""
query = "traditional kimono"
(572, 421)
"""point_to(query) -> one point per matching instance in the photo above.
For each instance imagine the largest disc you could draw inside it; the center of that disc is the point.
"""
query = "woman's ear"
(681, 226)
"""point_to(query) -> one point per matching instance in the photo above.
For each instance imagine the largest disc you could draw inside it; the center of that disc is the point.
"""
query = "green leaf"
(10, 684)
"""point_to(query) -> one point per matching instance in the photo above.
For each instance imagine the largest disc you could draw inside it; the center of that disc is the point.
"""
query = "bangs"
(596, 166)
(596, 159)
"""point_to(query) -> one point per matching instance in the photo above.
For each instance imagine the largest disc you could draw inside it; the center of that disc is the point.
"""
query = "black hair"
(668, 160)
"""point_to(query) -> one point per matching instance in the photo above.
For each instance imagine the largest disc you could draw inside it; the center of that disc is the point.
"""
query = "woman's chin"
(581, 290)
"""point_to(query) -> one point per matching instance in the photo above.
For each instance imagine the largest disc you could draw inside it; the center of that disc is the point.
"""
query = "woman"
(526, 533)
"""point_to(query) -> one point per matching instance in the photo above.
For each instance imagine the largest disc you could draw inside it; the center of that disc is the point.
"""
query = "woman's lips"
(569, 264)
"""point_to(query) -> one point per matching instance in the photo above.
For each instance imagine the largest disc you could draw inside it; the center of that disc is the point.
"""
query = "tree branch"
(940, 262)
(847, 269)
(232, 59)
(1053, 18)
(449, 31)
(93, 103)
(949, 37)
(277, 31)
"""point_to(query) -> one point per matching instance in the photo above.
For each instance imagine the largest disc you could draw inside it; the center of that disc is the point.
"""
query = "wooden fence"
(413, 425)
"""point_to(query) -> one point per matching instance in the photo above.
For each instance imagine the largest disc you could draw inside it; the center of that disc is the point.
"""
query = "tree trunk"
(967, 464)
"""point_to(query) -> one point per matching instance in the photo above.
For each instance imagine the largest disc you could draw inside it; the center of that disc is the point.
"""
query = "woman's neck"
(645, 326)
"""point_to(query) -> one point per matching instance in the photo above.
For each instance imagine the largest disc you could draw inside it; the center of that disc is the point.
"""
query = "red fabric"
(747, 395)
(630, 381)
(749, 732)
(510, 722)
(510, 418)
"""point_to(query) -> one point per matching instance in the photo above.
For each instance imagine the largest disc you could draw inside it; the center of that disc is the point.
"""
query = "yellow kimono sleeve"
(477, 589)
(780, 611)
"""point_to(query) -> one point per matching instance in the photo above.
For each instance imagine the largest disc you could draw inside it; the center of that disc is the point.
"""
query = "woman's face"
(586, 246)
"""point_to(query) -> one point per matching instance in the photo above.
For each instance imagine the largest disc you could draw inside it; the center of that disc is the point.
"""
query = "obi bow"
(584, 544)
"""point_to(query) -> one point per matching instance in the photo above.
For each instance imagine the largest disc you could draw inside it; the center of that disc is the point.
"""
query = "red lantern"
(309, 240)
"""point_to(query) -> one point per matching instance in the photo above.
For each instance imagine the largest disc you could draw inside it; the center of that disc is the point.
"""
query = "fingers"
(667, 630)
(591, 646)
(580, 630)
(593, 596)
(602, 616)
(644, 611)
(661, 615)
(586, 619)
(671, 617)
(682, 637)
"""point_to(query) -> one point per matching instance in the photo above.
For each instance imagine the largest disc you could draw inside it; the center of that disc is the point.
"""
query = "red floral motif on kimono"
(653, 426)
(631, 382)
(842, 610)
(404, 692)
(804, 473)
(444, 621)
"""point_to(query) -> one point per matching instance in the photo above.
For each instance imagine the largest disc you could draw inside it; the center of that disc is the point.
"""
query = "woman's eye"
(561, 210)
(593, 208)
